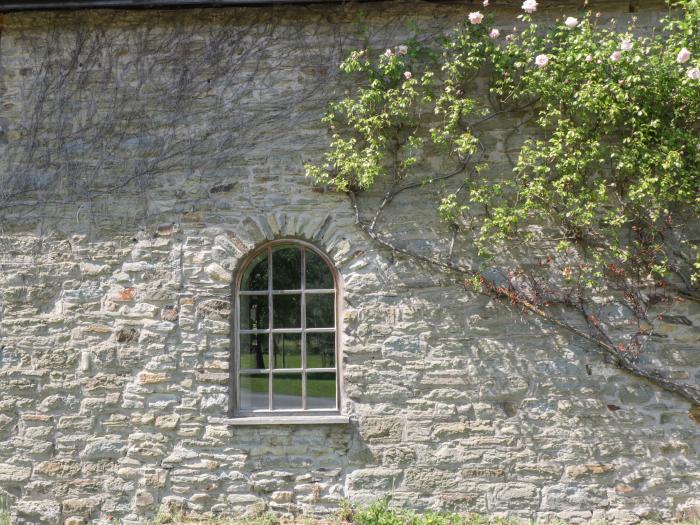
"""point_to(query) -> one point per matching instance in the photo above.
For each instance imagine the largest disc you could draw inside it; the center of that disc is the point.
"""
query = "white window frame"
(235, 369)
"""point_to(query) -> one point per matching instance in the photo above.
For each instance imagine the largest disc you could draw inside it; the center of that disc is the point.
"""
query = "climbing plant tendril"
(607, 186)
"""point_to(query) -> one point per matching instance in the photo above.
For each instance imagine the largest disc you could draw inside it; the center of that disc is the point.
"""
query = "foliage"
(381, 120)
(376, 513)
(620, 165)
(4, 510)
(178, 516)
(379, 513)
(607, 184)
(620, 162)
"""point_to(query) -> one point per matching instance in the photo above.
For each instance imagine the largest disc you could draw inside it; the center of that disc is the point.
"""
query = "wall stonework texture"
(152, 151)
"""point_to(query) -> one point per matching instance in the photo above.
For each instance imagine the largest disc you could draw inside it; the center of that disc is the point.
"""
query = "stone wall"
(144, 154)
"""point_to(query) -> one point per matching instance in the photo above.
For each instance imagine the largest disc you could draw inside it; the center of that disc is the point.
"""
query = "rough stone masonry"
(144, 154)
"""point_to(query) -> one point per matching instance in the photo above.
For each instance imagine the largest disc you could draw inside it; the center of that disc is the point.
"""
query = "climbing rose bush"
(619, 168)
(615, 171)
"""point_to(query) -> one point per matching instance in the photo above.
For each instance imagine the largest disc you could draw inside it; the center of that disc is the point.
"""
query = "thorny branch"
(621, 357)
(91, 131)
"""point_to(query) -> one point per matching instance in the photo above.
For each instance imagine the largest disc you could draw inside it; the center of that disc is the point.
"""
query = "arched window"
(286, 338)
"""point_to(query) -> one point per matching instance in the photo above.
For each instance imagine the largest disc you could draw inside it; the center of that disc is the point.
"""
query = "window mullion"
(306, 257)
(236, 372)
(325, 330)
(270, 341)
(303, 328)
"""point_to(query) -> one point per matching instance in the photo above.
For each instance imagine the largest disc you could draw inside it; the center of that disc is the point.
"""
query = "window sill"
(280, 420)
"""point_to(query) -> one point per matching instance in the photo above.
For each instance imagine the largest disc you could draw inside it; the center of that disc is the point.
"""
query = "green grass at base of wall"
(378, 513)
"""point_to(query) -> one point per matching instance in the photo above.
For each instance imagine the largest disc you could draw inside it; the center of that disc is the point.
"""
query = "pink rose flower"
(407, 75)
(683, 56)
(589, 58)
(495, 33)
(541, 60)
(388, 53)
(694, 73)
(486, 3)
(571, 22)
(616, 56)
(626, 45)
(529, 6)
(476, 17)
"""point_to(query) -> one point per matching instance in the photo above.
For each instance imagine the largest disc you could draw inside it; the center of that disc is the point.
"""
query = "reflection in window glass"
(286, 391)
(300, 366)
(286, 268)
(254, 351)
(320, 310)
(254, 391)
(255, 277)
(254, 312)
(287, 350)
(320, 390)
(286, 311)
(320, 350)
(318, 275)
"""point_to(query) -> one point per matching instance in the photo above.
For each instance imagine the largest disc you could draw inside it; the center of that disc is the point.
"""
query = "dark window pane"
(254, 391)
(255, 277)
(255, 314)
(320, 310)
(286, 268)
(286, 311)
(320, 390)
(287, 350)
(318, 275)
(254, 352)
(320, 350)
(286, 389)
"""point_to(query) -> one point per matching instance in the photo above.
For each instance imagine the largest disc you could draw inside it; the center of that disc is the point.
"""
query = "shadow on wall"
(115, 339)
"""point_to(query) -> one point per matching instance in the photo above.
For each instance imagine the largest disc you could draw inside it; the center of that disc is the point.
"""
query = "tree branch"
(686, 392)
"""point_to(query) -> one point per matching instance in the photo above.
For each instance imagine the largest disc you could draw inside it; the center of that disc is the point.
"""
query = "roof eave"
(36, 5)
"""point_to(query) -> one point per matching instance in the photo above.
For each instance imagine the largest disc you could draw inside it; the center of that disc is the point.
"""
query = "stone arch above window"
(286, 339)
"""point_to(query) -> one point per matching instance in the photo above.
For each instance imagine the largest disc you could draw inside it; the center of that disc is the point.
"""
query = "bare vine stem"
(600, 340)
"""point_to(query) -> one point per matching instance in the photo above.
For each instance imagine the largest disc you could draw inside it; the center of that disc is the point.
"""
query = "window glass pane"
(255, 277)
(254, 391)
(287, 350)
(286, 311)
(286, 390)
(255, 314)
(320, 350)
(318, 275)
(320, 390)
(286, 268)
(283, 390)
(320, 310)
(254, 352)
